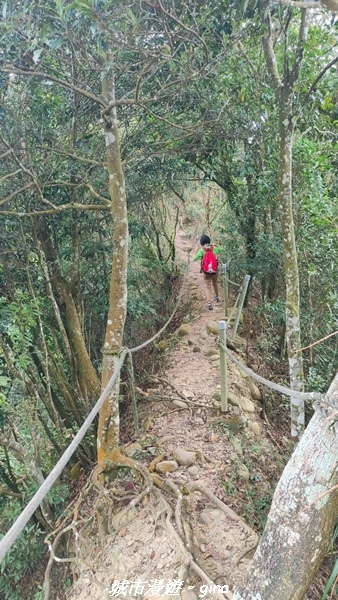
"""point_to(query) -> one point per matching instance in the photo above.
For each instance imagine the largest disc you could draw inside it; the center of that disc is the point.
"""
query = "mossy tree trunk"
(108, 428)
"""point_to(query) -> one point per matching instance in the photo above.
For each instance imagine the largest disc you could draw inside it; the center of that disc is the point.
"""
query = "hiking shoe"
(216, 298)
(209, 306)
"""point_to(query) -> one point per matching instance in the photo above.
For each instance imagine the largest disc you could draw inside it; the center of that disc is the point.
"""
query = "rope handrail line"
(270, 384)
(233, 282)
(9, 538)
(22, 520)
(168, 321)
(318, 341)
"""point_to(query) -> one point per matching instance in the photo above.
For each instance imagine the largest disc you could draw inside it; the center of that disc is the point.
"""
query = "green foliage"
(4, 381)
(270, 328)
(150, 300)
(318, 256)
(257, 509)
(315, 379)
(21, 562)
(18, 321)
(331, 586)
(267, 264)
(229, 487)
(25, 561)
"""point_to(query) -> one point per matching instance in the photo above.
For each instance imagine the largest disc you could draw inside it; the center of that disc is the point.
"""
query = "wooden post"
(222, 326)
(226, 288)
(240, 305)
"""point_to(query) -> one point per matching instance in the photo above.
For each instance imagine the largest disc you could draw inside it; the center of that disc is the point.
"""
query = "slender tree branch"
(303, 30)
(5, 154)
(62, 82)
(14, 194)
(9, 493)
(45, 362)
(89, 161)
(185, 27)
(53, 211)
(9, 175)
(267, 44)
(106, 108)
(30, 174)
(176, 192)
(318, 78)
(297, 4)
(98, 196)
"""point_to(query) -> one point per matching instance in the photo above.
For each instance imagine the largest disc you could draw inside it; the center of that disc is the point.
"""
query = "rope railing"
(316, 396)
(152, 339)
(22, 520)
(233, 282)
(10, 537)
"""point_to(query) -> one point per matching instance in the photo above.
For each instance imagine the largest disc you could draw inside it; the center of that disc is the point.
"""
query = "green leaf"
(81, 6)
(37, 54)
(56, 43)
(4, 381)
(331, 581)
(4, 10)
(59, 7)
(131, 15)
(245, 6)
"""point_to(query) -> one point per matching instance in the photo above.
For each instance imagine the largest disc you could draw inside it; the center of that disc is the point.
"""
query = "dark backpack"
(209, 263)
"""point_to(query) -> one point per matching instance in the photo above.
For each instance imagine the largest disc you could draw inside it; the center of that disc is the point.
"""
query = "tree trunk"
(285, 90)
(108, 428)
(292, 310)
(301, 522)
(82, 369)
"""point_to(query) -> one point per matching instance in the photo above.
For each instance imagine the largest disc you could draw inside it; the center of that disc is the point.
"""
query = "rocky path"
(190, 444)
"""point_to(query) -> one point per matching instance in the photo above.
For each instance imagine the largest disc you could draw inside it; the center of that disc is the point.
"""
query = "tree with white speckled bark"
(108, 428)
(284, 88)
(329, 4)
(302, 516)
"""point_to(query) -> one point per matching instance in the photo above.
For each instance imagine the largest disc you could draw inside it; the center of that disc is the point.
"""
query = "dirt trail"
(143, 549)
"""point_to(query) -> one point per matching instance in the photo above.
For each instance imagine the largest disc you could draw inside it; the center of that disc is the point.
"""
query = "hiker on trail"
(209, 267)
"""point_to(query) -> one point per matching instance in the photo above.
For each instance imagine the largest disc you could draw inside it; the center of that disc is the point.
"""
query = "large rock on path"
(183, 330)
(166, 466)
(184, 457)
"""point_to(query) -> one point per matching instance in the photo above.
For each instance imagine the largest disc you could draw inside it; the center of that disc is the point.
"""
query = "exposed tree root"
(52, 549)
(163, 398)
(109, 512)
(187, 557)
(246, 551)
(272, 437)
(104, 504)
(172, 386)
(196, 487)
(227, 511)
(178, 409)
(152, 465)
